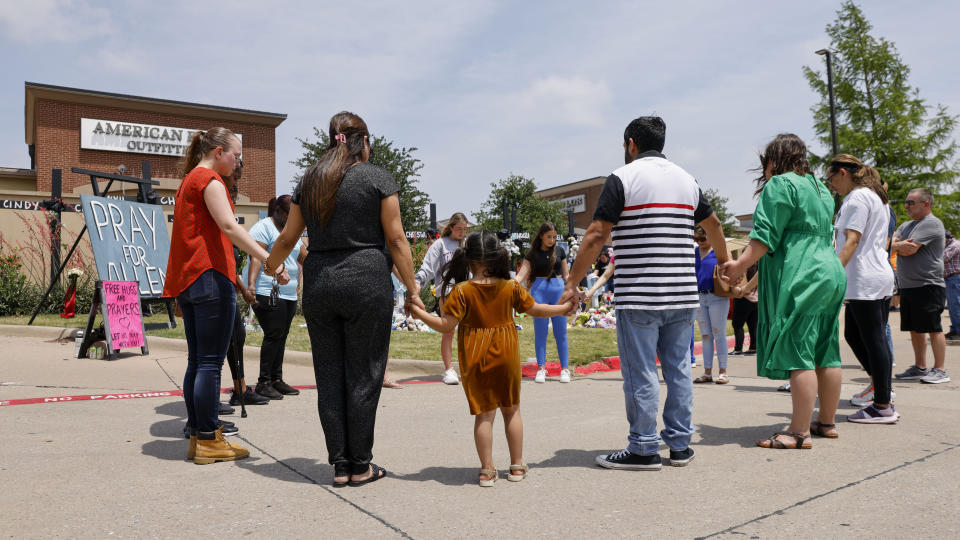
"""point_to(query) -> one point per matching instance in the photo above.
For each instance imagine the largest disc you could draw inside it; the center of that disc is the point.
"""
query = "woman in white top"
(861, 240)
(438, 254)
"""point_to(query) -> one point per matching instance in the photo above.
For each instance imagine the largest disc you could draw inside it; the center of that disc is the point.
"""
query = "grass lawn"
(586, 344)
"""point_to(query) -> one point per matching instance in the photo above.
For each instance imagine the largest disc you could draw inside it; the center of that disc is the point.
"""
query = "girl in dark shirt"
(546, 266)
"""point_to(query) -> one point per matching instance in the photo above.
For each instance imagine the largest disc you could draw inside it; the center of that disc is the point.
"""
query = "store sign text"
(113, 136)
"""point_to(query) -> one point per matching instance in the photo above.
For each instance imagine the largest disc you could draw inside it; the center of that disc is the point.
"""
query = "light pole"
(833, 112)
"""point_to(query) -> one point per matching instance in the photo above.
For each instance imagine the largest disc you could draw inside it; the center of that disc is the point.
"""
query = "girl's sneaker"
(564, 375)
(541, 376)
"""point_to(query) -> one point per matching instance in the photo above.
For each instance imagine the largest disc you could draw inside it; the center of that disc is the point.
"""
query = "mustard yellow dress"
(488, 347)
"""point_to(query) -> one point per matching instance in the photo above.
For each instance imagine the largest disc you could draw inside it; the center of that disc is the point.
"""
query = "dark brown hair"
(786, 153)
(860, 174)
(537, 245)
(202, 143)
(281, 204)
(321, 181)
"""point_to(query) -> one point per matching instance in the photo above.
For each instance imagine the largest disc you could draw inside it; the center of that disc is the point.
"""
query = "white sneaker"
(564, 375)
(541, 376)
(450, 377)
(863, 398)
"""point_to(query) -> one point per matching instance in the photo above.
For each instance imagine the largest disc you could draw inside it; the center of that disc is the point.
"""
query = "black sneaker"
(228, 428)
(285, 388)
(736, 353)
(249, 398)
(624, 459)
(951, 336)
(268, 391)
(751, 352)
(226, 409)
(681, 458)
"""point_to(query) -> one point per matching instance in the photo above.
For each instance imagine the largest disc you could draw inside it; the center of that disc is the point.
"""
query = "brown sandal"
(801, 442)
(703, 379)
(820, 429)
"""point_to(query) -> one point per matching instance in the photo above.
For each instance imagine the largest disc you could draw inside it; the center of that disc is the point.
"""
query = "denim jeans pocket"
(203, 290)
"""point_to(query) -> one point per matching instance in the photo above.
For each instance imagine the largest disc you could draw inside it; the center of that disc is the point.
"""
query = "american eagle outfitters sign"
(130, 242)
(113, 136)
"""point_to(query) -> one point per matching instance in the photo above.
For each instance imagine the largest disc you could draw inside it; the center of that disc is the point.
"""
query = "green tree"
(518, 191)
(398, 161)
(881, 119)
(719, 205)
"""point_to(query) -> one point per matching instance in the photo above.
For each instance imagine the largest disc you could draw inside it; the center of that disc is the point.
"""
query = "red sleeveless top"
(197, 244)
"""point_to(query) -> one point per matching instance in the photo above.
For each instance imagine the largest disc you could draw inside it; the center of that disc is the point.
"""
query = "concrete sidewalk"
(98, 468)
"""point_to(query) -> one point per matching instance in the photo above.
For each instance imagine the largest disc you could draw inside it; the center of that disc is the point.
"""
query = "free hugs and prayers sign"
(130, 242)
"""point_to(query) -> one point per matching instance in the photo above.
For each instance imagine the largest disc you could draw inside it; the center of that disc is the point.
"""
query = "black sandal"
(341, 468)
(377, 472)
(801, 442)
(820, 429)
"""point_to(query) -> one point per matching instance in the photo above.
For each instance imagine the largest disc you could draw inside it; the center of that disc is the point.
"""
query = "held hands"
(413, 306)
(732, 271)
(249, 296)
(571, 296)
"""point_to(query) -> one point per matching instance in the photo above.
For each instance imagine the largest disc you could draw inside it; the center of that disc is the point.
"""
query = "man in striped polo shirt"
(651, 206)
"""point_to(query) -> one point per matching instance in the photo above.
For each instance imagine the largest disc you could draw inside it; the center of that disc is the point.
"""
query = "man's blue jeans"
(953, 301)
(642, 337)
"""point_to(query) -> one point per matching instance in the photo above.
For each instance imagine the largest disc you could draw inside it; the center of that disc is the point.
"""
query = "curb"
(399, 369)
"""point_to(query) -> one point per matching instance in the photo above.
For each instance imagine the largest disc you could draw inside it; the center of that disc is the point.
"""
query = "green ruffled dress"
(802, 282)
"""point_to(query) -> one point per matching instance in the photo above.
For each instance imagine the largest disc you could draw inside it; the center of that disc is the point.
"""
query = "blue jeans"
(208, 306)
(712, 317)
(642, 337)
(693, 358)
(953, 301)
(548, 291)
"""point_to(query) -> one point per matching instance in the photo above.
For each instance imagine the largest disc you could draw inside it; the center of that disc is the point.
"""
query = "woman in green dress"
(802, 284)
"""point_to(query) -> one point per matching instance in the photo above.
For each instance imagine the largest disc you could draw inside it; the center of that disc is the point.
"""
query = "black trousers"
(348, 304)
(865, 331)
(744, 312)
(237, 340)
(275, 322)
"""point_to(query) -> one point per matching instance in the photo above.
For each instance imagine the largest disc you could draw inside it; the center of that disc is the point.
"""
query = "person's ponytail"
(321, 181)
(455, 270)
(203, 142)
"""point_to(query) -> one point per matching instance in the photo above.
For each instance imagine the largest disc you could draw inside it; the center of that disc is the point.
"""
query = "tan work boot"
(210, 450)
(192, 450)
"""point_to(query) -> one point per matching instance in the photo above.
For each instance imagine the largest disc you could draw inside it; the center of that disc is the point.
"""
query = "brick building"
(581, 197)
(100, 131)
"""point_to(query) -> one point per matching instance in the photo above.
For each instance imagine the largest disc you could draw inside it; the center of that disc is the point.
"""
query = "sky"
(483, 89)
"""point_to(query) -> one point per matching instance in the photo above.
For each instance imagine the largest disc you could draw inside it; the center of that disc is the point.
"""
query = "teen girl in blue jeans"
(712, 315)
(546, 265)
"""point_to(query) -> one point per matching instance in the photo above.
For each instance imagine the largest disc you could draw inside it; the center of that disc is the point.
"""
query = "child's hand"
(413, 306)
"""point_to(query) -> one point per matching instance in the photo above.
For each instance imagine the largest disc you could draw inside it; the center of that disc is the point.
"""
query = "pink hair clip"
(341, 138)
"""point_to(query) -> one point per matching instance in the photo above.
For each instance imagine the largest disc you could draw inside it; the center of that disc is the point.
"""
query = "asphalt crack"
(389, 525)
(782, 511)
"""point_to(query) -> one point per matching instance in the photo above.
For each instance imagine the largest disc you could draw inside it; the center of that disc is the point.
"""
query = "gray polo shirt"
(925, 267)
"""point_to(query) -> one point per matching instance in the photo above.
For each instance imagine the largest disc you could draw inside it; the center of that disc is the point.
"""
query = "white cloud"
(38, 21)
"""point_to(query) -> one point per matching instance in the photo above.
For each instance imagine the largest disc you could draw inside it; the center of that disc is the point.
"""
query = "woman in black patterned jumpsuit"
(351, 211)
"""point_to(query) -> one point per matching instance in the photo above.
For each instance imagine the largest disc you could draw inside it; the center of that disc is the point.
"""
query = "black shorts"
(921, 309)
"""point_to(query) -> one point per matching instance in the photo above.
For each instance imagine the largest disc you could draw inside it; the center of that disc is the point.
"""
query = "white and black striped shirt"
(654, 206)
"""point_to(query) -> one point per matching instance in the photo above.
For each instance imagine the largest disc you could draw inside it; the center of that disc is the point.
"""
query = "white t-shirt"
(869, 275)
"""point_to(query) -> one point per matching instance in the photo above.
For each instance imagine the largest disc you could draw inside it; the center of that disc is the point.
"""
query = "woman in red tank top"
(201, 272)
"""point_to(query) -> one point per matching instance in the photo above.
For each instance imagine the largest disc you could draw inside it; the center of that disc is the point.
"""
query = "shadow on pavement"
(458, 476)
(305, 470)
